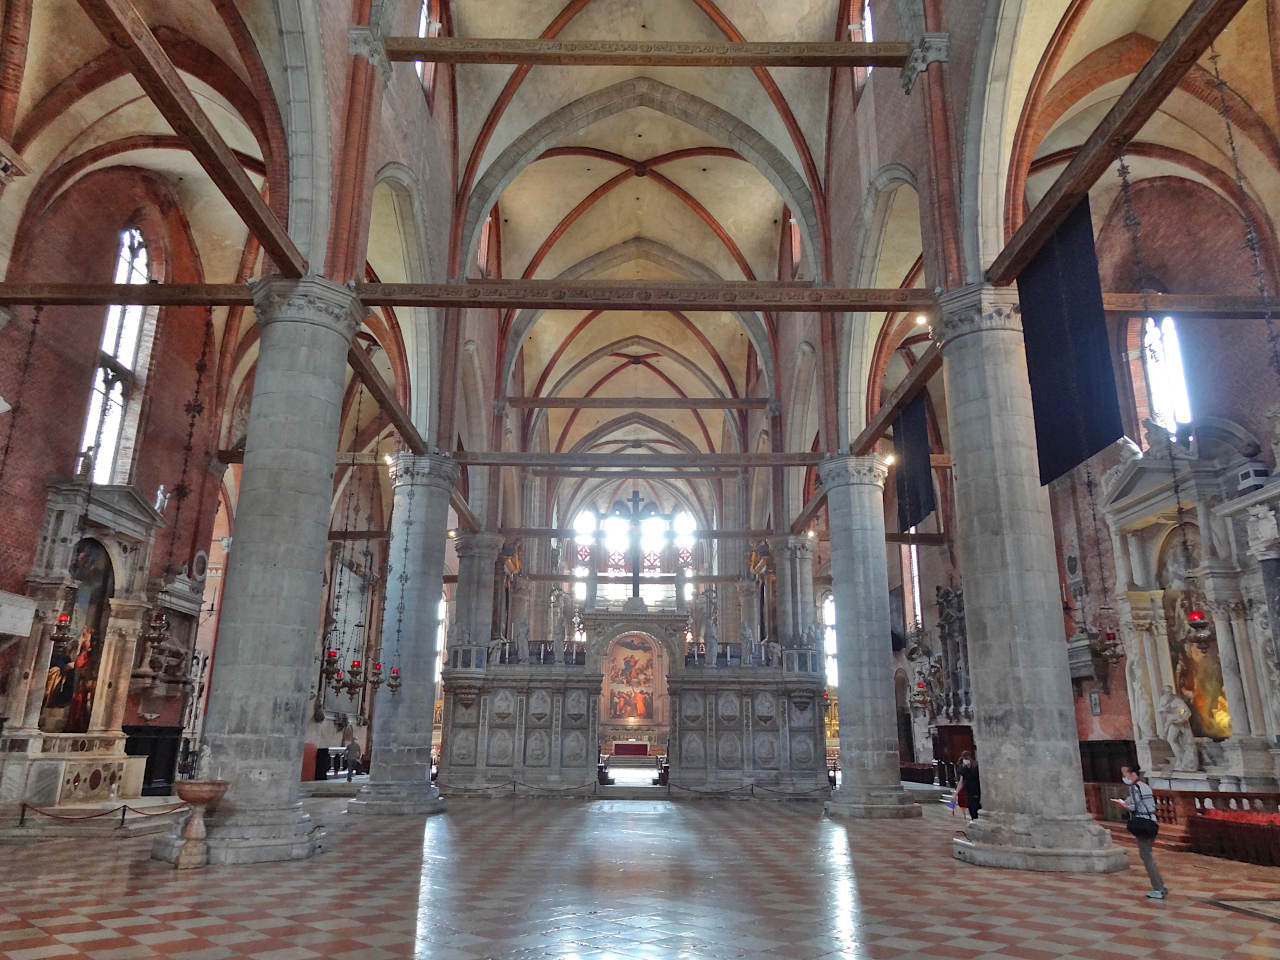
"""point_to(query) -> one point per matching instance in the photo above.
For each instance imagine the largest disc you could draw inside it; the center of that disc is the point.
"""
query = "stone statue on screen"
(773, 652)
(1175, 723)
(712, 637)
(522, 641)
(748, 644)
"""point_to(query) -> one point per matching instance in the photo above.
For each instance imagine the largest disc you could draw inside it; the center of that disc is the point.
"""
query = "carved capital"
(979, 308)
(310, 299)
(483, 545)
(427, 469)
(368, 43)
(930, 48)
(843, 471)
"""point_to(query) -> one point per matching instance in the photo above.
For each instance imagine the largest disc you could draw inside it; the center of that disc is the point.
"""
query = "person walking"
(971, 783)
(1144, 825)
(353, 756)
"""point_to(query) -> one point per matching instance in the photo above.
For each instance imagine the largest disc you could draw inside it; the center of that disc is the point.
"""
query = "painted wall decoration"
(629, 679)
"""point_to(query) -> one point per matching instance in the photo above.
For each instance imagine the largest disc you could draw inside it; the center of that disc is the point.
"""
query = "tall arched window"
(429, 25)
(829, 640)
(111, 425)
(1166, 379)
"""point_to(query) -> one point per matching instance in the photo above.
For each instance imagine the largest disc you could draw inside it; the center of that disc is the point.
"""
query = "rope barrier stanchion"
(124, 809)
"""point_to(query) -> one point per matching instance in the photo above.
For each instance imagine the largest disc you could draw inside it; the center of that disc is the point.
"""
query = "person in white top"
(1143, 824)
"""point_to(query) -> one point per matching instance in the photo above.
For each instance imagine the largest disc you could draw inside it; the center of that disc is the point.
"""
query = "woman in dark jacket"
(972, 784)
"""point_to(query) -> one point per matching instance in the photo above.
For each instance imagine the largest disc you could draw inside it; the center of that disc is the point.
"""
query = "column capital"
(793, 545)
(481, 544)
(871, 469)
(310, 299)
(977, 308)
(423, 469)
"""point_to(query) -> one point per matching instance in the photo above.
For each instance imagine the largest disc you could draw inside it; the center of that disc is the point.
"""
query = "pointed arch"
(651, 251)
(672, 101)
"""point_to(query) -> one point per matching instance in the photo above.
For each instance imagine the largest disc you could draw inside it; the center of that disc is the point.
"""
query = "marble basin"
(200, 792)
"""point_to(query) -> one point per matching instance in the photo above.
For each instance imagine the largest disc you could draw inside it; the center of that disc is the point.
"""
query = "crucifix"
(637, 559)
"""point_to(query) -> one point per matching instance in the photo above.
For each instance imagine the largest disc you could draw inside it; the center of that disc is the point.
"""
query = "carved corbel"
(930, 48)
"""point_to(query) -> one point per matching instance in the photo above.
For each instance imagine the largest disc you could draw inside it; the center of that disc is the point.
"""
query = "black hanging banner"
(1073, 387)
(913, 472)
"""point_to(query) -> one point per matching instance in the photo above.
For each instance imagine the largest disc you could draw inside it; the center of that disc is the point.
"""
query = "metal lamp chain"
(24, 372)
(194, 408)
(1251, 239)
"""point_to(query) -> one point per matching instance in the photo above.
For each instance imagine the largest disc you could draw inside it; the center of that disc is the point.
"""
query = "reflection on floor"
(577, 879)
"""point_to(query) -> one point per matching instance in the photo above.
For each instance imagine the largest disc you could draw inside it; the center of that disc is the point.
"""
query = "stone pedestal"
(1033, 813)
(400, 774)
(264, 671)
(871, 781)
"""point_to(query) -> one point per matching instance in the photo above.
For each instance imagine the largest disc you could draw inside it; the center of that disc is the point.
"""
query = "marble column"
(400, 772)
(264, 668)
(1033, 814)
(871, 782)
(793, 560)
(474, 615)
(111, 691)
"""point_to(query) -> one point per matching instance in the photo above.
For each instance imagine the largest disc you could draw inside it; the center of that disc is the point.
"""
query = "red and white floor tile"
(526, 879)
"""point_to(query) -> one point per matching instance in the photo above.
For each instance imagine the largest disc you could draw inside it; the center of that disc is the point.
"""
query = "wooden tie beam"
(505, 294)
(569, 473)
(129, 34)
(908, 389)
(636, 461)
(639, 403)
(1195, 306)
(1176, 54)
(644, 53)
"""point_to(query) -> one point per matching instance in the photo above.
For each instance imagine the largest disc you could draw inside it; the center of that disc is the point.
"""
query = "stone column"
(111, 692)
(522, 610)
(871, 782)
(29, 699)
(787, 585)
(264, 666)
(1033, 814)
(806, 607)
(476, 555)
(400, 772)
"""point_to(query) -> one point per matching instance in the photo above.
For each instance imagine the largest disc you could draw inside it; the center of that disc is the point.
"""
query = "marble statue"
(1175, 720)
(748, 644)
(773, 652)
(810, 637)
(522, 641)
(712, 637)
(1144, 724)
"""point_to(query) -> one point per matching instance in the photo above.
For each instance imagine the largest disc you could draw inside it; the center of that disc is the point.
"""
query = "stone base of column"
(249, 836)
(1024, 842)
(397, 799)
(889, 804)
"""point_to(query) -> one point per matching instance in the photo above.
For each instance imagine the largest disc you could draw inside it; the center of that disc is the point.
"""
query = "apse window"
(111, 426)
(829, 640)
(1166, 378)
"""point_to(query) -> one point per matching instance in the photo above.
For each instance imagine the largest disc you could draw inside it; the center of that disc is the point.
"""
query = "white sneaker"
(1156, 894)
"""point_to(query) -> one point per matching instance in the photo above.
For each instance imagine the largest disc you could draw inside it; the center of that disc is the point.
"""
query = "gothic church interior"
(480, 450)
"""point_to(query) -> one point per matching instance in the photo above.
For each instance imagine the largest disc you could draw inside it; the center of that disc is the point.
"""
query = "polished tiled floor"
(570, 879)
